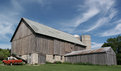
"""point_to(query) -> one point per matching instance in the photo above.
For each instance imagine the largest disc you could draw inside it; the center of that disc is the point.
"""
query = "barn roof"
(48, 31)
(89, 51)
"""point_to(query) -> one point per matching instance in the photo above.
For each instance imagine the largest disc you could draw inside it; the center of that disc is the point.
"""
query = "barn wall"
(44, 45)
(23, 41)
(51, 46)
(100, 58)
(111, 57)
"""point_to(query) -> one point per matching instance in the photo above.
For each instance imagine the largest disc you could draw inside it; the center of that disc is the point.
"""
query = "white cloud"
(93, 8)
(8, 18)
(90, 11)
(104, 8)
(96, 45)
(113, 31)
(5, 46)
(107, 15)
(99, 23)
(86, 16)
(102, 21)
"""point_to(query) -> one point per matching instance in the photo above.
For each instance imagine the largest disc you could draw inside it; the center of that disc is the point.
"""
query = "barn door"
(41, 58)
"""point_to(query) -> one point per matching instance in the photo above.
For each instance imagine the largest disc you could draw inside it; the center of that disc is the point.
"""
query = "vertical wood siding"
(107, 58)
(25, 42)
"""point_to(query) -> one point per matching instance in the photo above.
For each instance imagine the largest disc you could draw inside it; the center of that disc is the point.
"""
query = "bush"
(48, 62)
(57, 62)
(83, 63)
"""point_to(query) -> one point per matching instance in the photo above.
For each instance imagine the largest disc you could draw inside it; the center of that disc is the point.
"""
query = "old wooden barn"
(102, 56)
(38, 43)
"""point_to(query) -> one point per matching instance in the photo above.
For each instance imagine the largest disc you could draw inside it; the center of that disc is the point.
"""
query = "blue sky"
(99, 18)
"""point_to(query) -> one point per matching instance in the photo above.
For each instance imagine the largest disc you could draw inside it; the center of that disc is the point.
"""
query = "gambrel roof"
(48, 31)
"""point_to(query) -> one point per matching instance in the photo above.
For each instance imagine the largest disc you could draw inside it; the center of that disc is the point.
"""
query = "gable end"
(22, 20)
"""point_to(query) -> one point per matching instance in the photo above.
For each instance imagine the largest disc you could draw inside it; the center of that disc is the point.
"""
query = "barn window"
(53, 56)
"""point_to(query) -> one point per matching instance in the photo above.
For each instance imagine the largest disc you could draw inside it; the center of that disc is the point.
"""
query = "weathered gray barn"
(102, 56)
(38, 43)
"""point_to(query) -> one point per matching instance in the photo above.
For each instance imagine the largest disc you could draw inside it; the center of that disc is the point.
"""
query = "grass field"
(60, 67)
(0, 62)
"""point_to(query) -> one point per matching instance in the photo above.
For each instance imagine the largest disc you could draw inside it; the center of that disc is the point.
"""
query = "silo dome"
(77, 36)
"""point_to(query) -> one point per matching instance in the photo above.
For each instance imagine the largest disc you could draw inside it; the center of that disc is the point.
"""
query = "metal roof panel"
(81, 52)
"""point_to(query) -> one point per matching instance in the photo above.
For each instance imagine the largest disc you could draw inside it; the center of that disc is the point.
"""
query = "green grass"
(0, 62)
(60, 67)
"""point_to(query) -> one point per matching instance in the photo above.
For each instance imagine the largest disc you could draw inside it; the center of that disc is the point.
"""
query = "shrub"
(48, 62)
(83, 63)
(57, 62)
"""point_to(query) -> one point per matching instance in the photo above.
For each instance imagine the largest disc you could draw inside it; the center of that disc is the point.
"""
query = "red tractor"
(12, 60)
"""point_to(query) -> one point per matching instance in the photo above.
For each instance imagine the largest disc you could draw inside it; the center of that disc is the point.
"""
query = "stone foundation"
(51, 58)
(33, 58)
(25, 57)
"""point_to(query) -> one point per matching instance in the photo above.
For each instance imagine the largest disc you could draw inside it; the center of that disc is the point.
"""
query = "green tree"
(115, 44)
(4, 53)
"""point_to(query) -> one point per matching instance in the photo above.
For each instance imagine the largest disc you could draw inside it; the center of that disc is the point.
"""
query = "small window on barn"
(61, 57)
(53, 56)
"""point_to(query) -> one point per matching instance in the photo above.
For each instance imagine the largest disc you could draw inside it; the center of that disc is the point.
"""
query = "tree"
(4, 53)
(115, 44)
